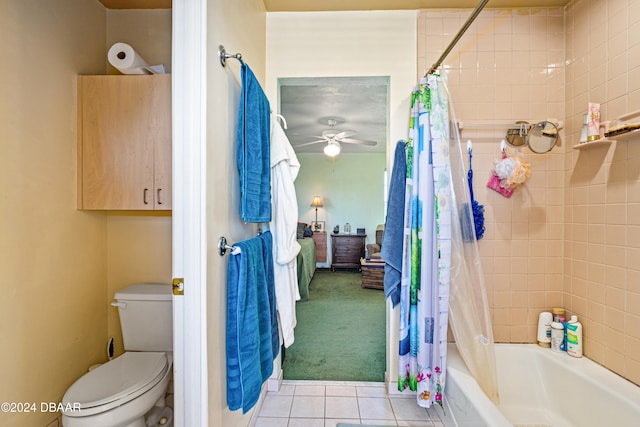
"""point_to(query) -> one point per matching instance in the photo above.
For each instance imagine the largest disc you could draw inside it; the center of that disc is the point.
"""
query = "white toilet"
(129, 391)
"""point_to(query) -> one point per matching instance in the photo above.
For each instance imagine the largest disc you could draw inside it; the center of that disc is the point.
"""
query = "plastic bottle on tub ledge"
(559, 317)
(544, 329)
(557, 336)
(574, 337)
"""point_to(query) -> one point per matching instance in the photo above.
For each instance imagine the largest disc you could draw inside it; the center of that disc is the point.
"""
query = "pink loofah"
(495, 184)
(508, 174)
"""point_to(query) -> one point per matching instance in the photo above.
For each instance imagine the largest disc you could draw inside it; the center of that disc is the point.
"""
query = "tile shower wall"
(602, 186)
(571, 236)
(509, 67)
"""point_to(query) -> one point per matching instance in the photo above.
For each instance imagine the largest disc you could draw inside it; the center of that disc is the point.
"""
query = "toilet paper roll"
(123, 57)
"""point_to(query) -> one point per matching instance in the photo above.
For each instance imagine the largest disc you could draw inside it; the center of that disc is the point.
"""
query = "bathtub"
(540, 388)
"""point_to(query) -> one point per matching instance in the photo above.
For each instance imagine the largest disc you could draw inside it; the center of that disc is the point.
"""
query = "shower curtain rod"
(458, 36)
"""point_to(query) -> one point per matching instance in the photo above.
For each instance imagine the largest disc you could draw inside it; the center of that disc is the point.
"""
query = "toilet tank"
(146, 321)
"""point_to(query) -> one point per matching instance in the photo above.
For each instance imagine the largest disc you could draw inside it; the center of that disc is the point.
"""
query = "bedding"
(306, 265)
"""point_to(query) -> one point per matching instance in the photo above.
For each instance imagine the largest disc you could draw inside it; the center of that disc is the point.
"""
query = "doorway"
(351, 113)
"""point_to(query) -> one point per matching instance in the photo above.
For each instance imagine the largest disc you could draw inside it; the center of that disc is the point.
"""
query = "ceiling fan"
(334, 138)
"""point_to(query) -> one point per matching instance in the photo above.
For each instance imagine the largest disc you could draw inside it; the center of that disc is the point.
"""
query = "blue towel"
(253, 157)
(392, 238)
(252, 324)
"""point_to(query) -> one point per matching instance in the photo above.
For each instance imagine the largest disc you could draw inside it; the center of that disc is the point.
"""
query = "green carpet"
(340, 335)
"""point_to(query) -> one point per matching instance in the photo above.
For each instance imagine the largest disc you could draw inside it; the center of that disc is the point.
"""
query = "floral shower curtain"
(426, 247)
(442, 281)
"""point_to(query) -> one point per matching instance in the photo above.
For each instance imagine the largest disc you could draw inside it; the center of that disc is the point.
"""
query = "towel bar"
(223, 246)
(223, 55)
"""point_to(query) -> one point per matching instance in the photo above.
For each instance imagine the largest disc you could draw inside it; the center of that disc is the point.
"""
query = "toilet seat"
(116, 382)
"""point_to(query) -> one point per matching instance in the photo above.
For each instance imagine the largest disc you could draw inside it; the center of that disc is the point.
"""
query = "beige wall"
(240, 27)
(337, 44)
(138, 251)
(602, 186)
(569, 237)
(61, 266)
(138, 244)
(53, 309)
(147, 31)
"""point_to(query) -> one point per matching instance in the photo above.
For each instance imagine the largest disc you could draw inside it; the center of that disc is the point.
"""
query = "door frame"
(189, 78)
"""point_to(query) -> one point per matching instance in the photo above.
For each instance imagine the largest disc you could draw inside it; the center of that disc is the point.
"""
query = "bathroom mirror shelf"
(539, 137)
(594, 144)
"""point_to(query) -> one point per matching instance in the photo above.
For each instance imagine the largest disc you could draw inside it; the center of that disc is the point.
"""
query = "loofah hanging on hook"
(477, 210)
(509, 173)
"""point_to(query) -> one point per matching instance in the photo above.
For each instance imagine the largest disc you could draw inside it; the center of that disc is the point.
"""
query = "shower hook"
(223, 55)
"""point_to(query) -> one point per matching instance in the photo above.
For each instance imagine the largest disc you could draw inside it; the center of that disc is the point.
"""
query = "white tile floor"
(325, 404)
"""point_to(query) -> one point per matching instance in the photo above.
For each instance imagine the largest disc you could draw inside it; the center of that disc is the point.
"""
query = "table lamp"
(316, 203)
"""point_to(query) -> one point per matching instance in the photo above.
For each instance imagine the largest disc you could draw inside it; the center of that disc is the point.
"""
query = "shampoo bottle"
(574, 337)
(593, 128)
(544, 329)
(559, 317)
(585, 127)
(557, 336)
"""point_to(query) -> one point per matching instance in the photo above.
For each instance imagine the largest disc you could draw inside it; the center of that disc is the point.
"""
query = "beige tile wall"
(509, 67)
(602, 186)
(571, 236)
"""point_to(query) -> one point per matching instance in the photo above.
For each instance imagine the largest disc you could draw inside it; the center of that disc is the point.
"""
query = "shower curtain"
(441, 275)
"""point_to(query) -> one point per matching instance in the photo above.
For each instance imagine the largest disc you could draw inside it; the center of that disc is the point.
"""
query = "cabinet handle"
(159, 201)
(144, 196)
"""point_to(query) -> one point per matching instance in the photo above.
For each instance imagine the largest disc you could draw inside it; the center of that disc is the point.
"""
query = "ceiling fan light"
(332, 150)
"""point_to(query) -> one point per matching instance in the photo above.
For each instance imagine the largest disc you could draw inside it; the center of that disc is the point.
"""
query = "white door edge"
(189, 204)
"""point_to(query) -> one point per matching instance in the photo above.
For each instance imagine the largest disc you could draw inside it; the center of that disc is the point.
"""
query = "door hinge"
(178, 286)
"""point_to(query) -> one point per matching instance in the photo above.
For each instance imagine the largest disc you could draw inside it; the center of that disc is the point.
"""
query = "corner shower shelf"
(594, 144)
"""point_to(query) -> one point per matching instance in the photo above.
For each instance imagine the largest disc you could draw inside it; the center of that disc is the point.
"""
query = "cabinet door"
(162, 166)
(123, 121)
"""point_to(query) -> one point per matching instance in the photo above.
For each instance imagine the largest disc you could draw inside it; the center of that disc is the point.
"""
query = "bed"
(306, 265)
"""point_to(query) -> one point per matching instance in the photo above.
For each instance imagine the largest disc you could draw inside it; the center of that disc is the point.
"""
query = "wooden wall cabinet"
(124, 142)
(320, 237)
(346, 250)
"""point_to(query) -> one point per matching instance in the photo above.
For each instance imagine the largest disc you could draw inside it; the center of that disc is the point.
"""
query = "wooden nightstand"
(320, 237)
(346, 250)
(372, 274)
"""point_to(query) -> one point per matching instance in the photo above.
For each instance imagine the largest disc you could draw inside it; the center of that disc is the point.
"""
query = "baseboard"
(273, 384)
(392, 388)
(255, 411)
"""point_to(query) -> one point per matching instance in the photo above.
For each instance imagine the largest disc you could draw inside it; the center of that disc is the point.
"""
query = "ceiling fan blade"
(345, 134)
(358, 141)
(328, 134)
(309, 143)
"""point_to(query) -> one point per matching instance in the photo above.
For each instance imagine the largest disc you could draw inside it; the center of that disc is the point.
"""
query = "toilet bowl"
(122, 391)
(118, 393)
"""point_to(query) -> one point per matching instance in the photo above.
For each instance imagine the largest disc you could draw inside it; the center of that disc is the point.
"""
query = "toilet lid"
(124, 377)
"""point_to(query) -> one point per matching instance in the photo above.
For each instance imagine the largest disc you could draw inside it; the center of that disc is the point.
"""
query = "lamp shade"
(316, 202)
(332, 149)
